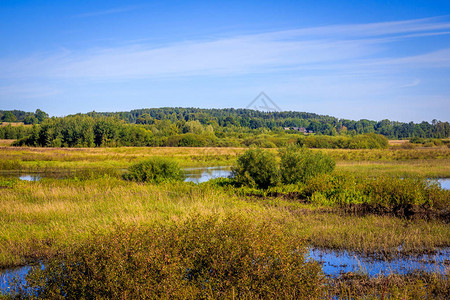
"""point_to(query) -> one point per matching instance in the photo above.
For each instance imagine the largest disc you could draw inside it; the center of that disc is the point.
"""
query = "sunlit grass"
(430, 162)
(38, 218)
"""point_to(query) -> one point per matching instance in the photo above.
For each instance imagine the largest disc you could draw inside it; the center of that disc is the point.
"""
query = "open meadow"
(62, 217)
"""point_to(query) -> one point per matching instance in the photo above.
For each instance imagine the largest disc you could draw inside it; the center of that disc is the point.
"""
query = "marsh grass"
(6, 142)
(202, 257)
(58, 218)
(416, 285)
(431, 163)
(38, 218)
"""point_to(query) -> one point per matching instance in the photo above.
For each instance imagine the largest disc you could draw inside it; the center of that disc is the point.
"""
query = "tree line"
(210, 127)
(253, 119)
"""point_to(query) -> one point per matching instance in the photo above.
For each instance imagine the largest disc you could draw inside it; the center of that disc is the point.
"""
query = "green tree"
(40, 115)
(9, 117)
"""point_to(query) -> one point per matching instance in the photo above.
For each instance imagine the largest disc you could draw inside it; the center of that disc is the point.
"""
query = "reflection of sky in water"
(445, 183)
(30, 177)
(6, 278)
(199, 175)
(334, 263)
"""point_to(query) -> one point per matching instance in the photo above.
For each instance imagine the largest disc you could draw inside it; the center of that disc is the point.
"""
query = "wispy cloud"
(27, 91)
(353, 48)
(106, 12)
(415, 82)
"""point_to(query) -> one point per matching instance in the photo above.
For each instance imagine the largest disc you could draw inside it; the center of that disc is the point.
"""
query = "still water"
(337, 262)
(197, 175)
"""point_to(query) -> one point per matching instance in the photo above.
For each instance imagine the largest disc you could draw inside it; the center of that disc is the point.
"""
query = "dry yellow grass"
(6, 142)
(37, 218)
(427, 162)
(397, 142)
(15, 124)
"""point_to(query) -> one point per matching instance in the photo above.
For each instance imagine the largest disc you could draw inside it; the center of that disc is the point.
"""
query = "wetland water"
(197, 175)
(333, 262)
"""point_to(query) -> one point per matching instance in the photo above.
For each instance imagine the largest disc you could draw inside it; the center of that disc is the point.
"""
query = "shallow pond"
(199, 175)
(337, 262)
(8, 277)
(445, 183)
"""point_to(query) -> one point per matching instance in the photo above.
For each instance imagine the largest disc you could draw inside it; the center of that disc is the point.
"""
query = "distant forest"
(205, 127)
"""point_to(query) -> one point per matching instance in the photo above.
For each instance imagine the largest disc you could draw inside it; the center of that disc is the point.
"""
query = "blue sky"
(349, 59)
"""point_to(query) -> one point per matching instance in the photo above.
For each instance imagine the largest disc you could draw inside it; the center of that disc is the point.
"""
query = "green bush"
(299, 164)
(256, 168)
(362, 141)
(200, 258)
(397, 193)
(155, 170)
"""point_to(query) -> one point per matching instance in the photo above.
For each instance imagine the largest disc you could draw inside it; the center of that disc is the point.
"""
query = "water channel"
(197, 175)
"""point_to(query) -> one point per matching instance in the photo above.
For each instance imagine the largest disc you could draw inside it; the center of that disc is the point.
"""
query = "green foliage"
(173, 121)
(391, 194)
(40, 115)
(299, 164)
(256, 168)
(7, 182)
(200, 258)
(14, 132)
(363, 141)
(9, 117)
(155, 170)
(22, 116)
(398, 193)
(218, 127)
(9, 164)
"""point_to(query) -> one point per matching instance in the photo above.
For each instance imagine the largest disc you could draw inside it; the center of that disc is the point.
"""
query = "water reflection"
(445, 183)
(9, 278)
(30, 177)
(335, 262)
(199, 175)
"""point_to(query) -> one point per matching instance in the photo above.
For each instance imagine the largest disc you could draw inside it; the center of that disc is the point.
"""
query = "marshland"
(123, 222)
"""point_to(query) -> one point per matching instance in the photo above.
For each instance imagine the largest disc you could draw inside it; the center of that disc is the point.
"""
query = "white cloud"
(106, 12)
(350, 48)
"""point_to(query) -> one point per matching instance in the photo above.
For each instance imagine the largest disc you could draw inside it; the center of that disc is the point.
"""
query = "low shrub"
(388, 194)
(200, 258)
(362, 141)
(256, 168)
(299, 164)
(155, 170)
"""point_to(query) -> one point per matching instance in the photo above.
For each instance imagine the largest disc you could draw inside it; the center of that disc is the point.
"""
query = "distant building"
(299, 129)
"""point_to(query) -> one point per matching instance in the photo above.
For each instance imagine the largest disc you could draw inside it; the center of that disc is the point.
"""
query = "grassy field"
(42, 220)
(6, 142)
(426, 162)
(38, 217)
